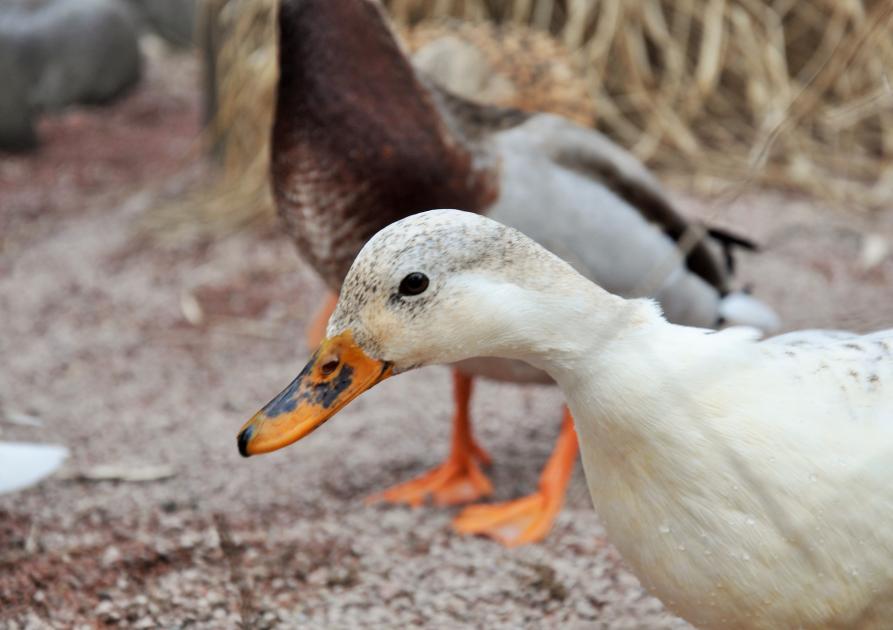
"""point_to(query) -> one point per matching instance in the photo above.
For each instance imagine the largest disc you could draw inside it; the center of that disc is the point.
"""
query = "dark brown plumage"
(357, 139)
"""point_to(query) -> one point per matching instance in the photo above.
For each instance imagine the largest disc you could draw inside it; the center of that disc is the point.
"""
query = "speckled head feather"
(468, 260)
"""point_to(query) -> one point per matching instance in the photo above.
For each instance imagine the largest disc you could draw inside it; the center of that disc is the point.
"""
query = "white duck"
(749, 484)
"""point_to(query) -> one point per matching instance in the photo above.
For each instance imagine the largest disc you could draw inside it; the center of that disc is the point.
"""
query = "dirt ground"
(95, 344)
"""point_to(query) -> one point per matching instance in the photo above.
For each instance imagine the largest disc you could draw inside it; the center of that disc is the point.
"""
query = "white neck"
(557, 325)
(630, 377)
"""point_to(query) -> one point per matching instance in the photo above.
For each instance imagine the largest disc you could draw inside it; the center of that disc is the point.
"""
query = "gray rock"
(17, 132)
(56, 53)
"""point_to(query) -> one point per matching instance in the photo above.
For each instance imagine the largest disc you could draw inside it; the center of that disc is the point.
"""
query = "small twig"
(232, 553)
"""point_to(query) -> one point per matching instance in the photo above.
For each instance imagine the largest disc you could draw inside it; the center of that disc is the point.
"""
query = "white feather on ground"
(23, 464)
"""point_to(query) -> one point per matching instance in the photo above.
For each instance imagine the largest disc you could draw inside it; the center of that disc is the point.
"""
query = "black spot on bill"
(301, 391)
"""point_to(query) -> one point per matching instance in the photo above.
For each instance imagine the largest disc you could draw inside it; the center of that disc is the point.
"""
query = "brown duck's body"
(361, 140)
(358, 142)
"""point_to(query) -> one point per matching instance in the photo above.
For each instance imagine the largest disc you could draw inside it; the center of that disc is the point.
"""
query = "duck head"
(436, 287)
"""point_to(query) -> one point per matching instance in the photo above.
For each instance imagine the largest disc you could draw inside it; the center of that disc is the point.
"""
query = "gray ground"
(96, 345)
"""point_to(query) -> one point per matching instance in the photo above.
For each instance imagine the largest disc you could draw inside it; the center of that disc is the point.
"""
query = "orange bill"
(338, 372)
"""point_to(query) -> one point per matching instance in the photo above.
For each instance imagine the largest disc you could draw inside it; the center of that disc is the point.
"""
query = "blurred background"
(150, 303)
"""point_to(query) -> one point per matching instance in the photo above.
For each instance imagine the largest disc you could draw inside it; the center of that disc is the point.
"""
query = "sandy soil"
(94, 343)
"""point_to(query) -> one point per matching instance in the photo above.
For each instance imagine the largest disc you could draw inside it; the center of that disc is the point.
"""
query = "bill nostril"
(329, 366)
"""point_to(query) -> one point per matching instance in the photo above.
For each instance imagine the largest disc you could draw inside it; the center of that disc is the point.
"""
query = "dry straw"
(238, 42)
(782, 93)
(796, 94)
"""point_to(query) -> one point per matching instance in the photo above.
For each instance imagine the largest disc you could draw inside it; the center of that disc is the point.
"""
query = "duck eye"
(414, 283)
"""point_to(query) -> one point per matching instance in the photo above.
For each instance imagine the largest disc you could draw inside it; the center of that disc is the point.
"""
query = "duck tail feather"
(730, 239)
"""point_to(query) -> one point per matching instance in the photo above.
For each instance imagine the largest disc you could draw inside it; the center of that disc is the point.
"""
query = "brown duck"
(361, 140)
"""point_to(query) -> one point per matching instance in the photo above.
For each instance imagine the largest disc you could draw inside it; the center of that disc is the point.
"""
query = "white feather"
(23, 464)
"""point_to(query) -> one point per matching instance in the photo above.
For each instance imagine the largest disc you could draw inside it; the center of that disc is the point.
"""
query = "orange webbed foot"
(529, 519)
(512, 523)
(457, 480)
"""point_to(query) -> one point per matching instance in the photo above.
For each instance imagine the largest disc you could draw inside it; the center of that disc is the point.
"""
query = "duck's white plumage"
(748, 483)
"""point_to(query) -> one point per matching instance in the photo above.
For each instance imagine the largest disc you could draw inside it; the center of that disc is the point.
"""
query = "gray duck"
(361, 140)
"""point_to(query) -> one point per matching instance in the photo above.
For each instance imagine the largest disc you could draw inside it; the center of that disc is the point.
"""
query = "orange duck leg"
(459, 479)
(530, 518)
(316, 331)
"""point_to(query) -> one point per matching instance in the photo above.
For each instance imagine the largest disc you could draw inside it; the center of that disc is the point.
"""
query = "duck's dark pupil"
(414, 283)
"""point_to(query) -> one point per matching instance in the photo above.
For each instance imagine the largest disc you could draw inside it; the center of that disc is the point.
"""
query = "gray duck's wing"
(470, 120)
(596, 206)
(612, 203)
(592, 154)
